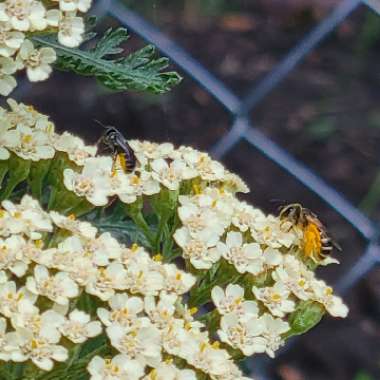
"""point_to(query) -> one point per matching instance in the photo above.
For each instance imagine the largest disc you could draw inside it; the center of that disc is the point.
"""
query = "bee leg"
(114, 168)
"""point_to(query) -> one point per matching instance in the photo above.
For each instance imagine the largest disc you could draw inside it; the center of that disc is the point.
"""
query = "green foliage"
(139, 71)
(363, 376)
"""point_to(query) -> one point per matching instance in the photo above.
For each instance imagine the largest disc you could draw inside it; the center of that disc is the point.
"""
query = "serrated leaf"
(139, 71)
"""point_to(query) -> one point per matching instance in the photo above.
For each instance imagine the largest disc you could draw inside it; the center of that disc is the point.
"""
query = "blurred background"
(326, 113)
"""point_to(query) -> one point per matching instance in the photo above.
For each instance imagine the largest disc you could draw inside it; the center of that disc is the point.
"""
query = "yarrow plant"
(156, 273)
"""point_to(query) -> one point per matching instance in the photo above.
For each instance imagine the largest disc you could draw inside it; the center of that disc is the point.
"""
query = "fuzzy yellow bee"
(317, 244)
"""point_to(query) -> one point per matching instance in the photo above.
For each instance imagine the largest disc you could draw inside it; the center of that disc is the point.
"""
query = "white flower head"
(75, 148)
(124, 310)
(323, 294)
(200, 253)
(7, 67)
(160, 311)
(74, 5)
(59, 287)
(171, 174)
(275, 298)
(71, 30)
(27, 217)
(120, 367)
(232, 301)
(274, 328)
(131, 186)
(78, 327)
(42, 351)
(107, 280)
(246, 257)
(77, 227)
(10, 40)
(93, 182)
(23, 15)
(37, 61)
(141, 341)
(177, 280)
(243, 335)
(29, 144)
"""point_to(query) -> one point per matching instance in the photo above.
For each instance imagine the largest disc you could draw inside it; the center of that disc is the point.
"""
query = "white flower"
(141, 341)
(275, 298)
(167, 371)
(59, 287)
(120, 367)
(12, 300)
(245, 216)
(103, 249)
(146, 150)
(75, 148)
(45, 325)
(70, 27)
(145, 278)
(124, 310)
(7, 82)
(10, 257)
(10, 40)
(129, 187)
(78, 327)
(36, 61)
(41, 350)
(106, 280)
(24, 15)
(75, 5)
(205, 167)
(233, 183)
(209, 359)
(197, 251)
(244, 336)
(246, 257)
(170, 175)
(324, 295)
(176, 280)
(27, 217)
(203, 224)
(274, 328)
(232, 301)
(29, 144)
(271, 232)
(294, 275)
(93, 183)
(77, 227)
(162, 310)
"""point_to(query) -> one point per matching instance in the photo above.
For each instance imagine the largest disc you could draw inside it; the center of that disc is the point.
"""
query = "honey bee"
(122, 153)
(317, 244)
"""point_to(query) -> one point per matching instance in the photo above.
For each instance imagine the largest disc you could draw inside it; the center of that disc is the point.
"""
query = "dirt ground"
(326, 113)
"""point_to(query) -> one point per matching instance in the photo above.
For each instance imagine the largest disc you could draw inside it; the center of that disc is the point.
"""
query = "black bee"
(122, 153)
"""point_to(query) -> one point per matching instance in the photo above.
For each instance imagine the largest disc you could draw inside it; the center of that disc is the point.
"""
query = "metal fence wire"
(242, 129)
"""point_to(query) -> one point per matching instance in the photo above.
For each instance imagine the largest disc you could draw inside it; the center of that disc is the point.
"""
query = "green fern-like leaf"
(139, 71)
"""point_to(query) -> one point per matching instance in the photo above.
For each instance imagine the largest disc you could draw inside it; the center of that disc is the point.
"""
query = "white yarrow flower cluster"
(143, 298)
(252, 266)
(18, 18)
